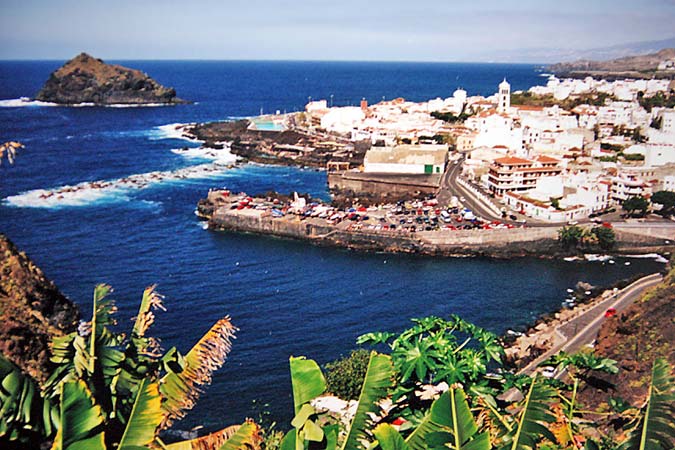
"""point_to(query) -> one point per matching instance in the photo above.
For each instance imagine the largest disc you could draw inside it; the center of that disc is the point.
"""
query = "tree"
(606, 237)
(667, 201)
(635, 203)
(570, 236)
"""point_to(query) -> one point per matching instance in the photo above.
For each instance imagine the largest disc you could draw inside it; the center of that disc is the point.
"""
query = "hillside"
(640, 66)
(85, 79)
(635, 338)
(32, 310)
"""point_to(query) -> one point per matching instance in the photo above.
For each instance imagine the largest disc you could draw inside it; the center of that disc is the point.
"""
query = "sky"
(377, 30)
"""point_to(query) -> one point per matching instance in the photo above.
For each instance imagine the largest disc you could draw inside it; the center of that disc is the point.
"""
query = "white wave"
(141, 105)
(655, 256)
(221, 155)
(87, 193)
(23, 101)
(172, 131)
(593, 257)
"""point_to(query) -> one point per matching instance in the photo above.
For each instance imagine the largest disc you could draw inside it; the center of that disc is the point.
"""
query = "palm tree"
(9, 150)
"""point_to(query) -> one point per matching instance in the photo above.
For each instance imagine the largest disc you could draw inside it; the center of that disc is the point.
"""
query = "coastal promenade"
(574, 334)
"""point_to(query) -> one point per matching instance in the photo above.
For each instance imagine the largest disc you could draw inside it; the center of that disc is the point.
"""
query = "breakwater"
(250, 217)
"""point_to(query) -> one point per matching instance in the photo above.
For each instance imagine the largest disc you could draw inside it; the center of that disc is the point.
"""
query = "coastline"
(240, 215)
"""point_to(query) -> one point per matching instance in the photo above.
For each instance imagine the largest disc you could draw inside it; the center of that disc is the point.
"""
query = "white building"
(504, 97)
(407, 159)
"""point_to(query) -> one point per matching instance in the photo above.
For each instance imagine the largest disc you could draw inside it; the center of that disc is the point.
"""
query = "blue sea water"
(286, 297)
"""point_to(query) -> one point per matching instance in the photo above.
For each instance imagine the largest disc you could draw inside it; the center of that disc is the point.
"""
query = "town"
(562, 152)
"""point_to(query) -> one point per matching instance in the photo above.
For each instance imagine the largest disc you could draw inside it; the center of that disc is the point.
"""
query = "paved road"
(450, 187)
(583, 329)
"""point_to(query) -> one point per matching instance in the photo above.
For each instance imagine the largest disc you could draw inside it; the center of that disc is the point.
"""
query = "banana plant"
(134, 388)
(25, 417)
(533, 419)
(308, 382)
(80, 419)
(449, 424)
(655, 428)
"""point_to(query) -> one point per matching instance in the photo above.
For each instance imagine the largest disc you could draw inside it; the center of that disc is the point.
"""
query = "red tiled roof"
(513, 161)
(546, 159)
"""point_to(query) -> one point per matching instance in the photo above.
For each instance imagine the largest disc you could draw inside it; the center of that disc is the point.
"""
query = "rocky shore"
(85, 79)
(32, 311)
(292, 145)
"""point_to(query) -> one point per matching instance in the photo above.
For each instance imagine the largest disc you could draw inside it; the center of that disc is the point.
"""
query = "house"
(410, 159)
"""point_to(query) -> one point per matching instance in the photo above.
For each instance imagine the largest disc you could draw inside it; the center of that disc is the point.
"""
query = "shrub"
(344, 376)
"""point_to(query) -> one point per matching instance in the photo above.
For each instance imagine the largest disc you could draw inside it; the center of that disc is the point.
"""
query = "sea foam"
(220, 155)
(88, 193)
(25, 101)
(172, 131)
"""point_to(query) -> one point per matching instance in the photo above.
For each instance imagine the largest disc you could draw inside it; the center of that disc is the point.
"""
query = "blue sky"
(412, 30)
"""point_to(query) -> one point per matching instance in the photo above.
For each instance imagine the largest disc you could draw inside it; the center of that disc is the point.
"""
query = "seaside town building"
(407, 159)
(545, 161)
(512, 174)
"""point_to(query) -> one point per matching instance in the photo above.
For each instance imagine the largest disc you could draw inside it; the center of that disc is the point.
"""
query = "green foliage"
(584, 362)
(105, 390)
(657, 100)
(633, 157)
(527, 98)
(655, 428)
(436, 350)
(308, 383)
(570, 236)
(667, 201)
(606, 237)
(534, 418)
(450, 117)
(345, 376)
(636, 206)
(25, 417)
(450, 423)
(80, 419)
(379, 379)
(613, 158)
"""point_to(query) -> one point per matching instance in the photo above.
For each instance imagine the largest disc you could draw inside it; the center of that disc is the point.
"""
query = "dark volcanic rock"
(32, 311)
(85, 79)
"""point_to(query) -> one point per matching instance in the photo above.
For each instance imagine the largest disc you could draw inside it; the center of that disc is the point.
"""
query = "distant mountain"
(627, 63)
(555, 55)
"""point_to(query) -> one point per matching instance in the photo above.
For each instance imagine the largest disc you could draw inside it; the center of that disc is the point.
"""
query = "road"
(450, 187)
(583, 329)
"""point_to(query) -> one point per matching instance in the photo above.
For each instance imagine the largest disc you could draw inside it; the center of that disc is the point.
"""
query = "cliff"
(85, 79)
(640, 66)
(32, 311)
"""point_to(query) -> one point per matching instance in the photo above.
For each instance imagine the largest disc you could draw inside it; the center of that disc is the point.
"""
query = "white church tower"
(504, 97)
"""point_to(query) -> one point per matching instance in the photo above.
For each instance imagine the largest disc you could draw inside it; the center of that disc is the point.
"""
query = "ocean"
(286, 297)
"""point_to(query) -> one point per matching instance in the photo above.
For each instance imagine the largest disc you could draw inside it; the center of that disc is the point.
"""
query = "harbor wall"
(500, 243)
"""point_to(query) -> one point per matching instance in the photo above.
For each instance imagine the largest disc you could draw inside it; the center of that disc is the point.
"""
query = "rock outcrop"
(85, 79)
(32, 311)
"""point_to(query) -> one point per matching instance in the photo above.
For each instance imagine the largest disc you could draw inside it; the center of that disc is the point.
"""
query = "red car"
(611, 312)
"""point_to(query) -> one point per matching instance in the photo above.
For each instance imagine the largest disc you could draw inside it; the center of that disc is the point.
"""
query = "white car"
(548, 371)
